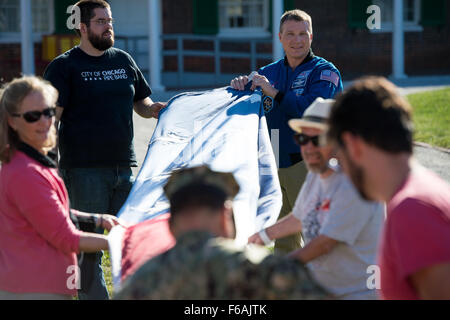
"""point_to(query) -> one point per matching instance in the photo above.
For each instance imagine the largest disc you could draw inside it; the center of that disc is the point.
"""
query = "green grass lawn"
(106, 265)
(432, 117)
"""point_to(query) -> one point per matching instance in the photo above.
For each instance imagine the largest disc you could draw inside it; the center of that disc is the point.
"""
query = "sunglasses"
(302, 140)
(33, 116)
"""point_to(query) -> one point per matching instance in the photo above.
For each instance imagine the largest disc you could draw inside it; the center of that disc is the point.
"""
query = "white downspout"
(27, 44)
(155, 45)
(277, 12)
(398, 50)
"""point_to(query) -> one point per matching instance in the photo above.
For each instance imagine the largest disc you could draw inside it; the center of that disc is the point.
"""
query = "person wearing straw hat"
(340, 229)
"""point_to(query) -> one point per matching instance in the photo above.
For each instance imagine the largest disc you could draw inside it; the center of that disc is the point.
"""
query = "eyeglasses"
(33, 116)
(102, 22)
(302, 140)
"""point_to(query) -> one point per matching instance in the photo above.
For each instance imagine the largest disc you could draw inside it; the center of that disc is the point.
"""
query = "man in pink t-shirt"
(371, 126)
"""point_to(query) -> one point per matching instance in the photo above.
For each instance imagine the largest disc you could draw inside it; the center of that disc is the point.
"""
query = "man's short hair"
(199, 187)
(87, 8)
(296, 15)
(373, 109)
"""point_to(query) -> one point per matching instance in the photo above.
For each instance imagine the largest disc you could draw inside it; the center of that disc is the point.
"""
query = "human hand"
(256, 239)
(239, 83)
(262, 82)
(156, 108)
(109, 221)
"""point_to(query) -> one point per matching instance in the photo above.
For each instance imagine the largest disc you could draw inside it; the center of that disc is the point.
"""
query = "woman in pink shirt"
(38, 240)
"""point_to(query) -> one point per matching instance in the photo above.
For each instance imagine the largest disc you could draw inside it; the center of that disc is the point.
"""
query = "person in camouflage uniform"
(206, 263)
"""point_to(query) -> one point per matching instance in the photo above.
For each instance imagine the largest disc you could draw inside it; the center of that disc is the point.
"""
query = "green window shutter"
(433, 13)
(206, 16)
(288, 5)
(357, 13)
(61, 16)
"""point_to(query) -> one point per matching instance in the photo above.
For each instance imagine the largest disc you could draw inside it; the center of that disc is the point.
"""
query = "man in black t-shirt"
(99, 87)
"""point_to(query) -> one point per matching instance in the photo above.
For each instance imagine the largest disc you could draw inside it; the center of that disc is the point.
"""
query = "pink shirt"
(38, 241)
(144, 241)
(416, 234)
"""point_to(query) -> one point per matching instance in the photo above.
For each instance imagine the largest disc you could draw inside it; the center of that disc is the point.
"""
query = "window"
(244, 18)
(42, 12)
(411, 15)
(9, 16)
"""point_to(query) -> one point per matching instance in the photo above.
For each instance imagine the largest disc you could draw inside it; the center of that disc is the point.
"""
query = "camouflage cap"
(201, 175)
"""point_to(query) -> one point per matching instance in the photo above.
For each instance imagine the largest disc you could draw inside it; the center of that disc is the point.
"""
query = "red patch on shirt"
(325, 205)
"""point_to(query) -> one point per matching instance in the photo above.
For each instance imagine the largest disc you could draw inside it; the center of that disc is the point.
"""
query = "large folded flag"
(222, 128)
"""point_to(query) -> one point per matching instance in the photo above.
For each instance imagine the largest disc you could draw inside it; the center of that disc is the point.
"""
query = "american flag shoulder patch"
(330, 76)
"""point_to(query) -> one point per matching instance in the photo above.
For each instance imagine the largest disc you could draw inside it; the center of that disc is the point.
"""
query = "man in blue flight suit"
(289, 86)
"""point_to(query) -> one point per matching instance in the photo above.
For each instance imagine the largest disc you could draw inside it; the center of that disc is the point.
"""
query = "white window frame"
(408, 26)
(15, 37)
(247, 32)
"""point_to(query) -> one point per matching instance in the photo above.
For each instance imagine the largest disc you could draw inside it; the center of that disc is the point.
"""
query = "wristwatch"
(264, 237)
(95, 220)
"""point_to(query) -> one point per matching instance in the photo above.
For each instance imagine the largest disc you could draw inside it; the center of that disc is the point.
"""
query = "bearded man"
(372, 129)
(99, 87)
(340, 229)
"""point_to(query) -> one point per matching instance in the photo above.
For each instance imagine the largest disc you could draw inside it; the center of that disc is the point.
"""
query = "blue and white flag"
(224, 129)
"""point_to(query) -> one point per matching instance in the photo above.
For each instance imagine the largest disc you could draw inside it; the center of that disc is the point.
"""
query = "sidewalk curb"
(429, 146)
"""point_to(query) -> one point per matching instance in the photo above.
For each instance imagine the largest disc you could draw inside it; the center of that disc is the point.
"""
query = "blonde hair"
(296, 15)
(11, 96)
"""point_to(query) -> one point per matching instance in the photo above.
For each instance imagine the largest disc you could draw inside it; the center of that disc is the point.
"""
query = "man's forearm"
(284, 227)
(270, 91)
(314, 249)
(144, 108)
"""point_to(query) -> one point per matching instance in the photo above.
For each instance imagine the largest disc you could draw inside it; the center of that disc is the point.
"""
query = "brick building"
(206, 42)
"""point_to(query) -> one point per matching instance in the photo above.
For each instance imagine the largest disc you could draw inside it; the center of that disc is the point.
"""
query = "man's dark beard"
(100, 43)
(357, 177)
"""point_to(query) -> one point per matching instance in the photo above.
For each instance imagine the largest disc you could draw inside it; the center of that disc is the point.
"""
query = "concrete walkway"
(438, 160)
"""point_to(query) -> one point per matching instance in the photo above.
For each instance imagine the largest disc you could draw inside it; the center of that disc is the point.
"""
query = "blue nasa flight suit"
(314, 77)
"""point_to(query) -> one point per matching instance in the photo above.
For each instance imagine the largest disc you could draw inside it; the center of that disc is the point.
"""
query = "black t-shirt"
(97, 94)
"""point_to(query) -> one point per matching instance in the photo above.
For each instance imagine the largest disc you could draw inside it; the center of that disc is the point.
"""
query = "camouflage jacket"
(201, 266)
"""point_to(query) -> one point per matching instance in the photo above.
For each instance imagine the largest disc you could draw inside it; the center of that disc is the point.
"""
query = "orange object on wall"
(54, 45)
